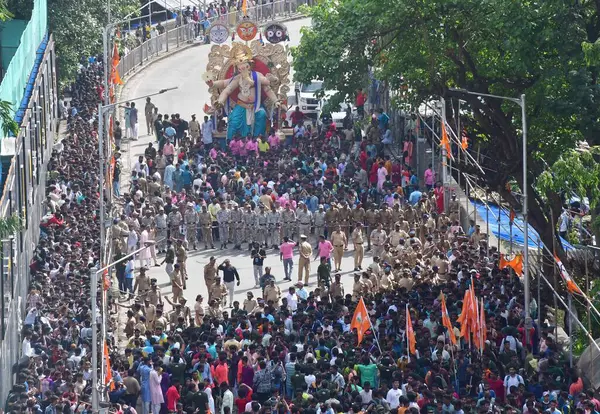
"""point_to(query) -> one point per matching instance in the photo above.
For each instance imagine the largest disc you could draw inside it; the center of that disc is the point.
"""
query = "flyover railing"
(187, 33)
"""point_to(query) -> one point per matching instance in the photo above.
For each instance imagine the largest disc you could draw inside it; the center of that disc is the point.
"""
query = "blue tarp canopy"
(517, 233)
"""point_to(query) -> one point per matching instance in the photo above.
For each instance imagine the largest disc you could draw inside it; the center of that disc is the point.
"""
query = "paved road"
(185, 71)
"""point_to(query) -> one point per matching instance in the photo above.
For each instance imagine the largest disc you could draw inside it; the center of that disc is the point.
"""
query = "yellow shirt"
(213, 209)
(263, 146)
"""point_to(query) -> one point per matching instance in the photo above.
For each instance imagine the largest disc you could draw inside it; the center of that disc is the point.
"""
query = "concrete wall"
(24, 193)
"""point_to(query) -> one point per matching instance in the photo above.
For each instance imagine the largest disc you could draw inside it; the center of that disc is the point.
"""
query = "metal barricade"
(182, 35)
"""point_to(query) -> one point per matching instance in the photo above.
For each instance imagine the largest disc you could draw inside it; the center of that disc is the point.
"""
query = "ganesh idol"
(242, 96)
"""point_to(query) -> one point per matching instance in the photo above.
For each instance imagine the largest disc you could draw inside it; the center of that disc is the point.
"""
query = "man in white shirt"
(393, 396)
(292, 299)
(227, 398)
(563, 223)
(207, 131)
(512, 379)
(26, 346)
(366, 394)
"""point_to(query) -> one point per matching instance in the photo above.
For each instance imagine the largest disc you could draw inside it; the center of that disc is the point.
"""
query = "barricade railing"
(187, 33)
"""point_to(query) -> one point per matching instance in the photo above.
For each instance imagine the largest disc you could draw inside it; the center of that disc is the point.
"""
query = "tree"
(77, 28)
(576, 173)
(428, 48)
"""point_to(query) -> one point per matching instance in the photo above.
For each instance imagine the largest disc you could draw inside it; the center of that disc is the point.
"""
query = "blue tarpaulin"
(517, 233)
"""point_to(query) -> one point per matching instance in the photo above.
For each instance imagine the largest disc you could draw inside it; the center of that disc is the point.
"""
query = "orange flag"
(482, 324)
(512, 216)
(115, 77)
(245, 7)
(464, 141)
(108, 378)
(446, 321)
(444, 142)
(503, 262)
(473, 316)
(360, 320)
(516, 263)
(572, 287)
(410, 333)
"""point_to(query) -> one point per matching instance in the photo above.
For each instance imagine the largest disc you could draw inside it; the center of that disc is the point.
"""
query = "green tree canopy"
(503, 47)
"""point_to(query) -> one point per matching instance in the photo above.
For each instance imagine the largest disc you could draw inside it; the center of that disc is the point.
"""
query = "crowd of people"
(315, 192)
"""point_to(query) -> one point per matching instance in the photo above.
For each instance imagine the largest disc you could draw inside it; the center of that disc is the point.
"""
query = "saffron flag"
(463, 318)
(515, 264)
(115, 77)
(572, 287)
(473, 313)
(410, 333)
(108, 377)
(446, 321)
(512, 216)
(360, 320)
(245, 7)
(444, 142)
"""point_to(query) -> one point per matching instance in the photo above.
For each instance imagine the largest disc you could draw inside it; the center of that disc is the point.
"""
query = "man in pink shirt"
(252, 147)
(429, 178)
(234, 146)
(324, 249)
(168, 149)
(286, 255)
(273, 141)
(243, 150)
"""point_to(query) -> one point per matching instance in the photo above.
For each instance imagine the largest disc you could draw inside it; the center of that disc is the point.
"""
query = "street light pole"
(528, 321)
(521, 102)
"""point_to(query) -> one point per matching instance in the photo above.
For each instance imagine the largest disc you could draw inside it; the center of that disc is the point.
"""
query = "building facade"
(29, 84)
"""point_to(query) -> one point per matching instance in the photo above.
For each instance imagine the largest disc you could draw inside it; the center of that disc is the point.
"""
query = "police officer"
(378, 238)
(223, 217)
(236, 220)
(396, 214)
(190, 218)
(319, 220)
(218, 291)
(385, 217)
(288, 218)
(274, 221)
(263, 226)
(175, 219)
(357, 241)
(331, 218)
(340, 242)
(205, 221)
(344, 215)
(371, 218)
(357, 216)
(210, 274)
(304, 219)
(251, 226)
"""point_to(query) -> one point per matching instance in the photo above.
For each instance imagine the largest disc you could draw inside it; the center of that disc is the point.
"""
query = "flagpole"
(481, 327)
(406, 335)
(374, 332)
(510, 225)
